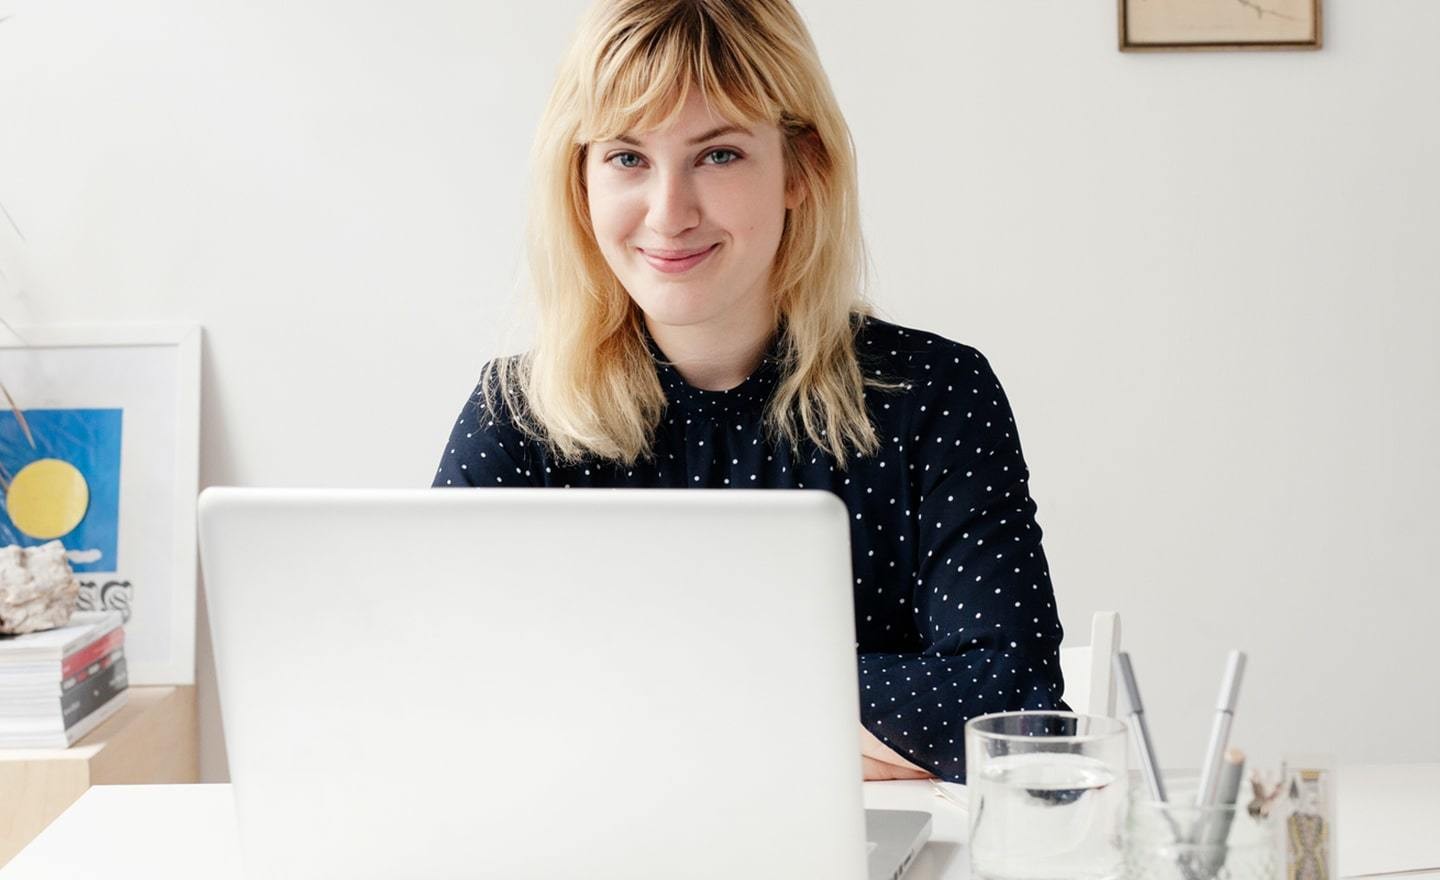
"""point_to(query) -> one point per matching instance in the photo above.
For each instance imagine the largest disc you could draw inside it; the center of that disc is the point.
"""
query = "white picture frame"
(135, 548)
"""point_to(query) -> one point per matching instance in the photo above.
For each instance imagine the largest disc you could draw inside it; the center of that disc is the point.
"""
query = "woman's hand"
(875, 769)
(883, 762)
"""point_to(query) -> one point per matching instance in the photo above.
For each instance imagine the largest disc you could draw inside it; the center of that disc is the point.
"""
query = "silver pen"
(1149, 767)
(1216, 830)
(1220, 731)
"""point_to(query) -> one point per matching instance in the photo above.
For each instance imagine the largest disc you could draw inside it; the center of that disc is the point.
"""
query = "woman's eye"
(714, 157)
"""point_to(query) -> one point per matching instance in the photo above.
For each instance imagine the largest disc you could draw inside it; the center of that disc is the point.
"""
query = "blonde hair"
(588, 385)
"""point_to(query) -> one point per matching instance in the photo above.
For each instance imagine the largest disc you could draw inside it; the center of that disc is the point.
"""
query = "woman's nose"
(674, 205)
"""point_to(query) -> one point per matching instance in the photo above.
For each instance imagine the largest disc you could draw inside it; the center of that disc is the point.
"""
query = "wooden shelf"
(154, 738)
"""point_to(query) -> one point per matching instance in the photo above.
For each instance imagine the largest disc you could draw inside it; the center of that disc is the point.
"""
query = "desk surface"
(152, 739)
(1388, 816)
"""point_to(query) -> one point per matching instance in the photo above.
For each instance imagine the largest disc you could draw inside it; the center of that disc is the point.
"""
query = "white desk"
(1389, 816)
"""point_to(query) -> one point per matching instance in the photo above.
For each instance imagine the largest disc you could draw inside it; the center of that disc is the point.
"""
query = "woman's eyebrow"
(713, 133)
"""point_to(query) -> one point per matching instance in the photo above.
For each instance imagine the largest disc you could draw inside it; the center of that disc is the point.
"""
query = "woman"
(697, 262)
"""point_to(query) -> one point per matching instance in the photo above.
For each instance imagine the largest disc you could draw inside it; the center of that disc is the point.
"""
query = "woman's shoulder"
(496, 405)
(951, 404)
(913, 355)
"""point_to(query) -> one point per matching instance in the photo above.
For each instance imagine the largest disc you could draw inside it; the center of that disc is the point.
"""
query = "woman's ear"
(794, 195)
(806, 147)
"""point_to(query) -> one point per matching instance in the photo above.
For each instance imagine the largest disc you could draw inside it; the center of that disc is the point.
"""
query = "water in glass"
(1046, 816)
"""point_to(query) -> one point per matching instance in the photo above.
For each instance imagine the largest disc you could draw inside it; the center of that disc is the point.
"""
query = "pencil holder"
(1177, 840)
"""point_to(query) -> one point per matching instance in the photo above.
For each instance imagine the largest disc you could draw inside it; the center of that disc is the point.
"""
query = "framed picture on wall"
(99, 449)
(1152, 25)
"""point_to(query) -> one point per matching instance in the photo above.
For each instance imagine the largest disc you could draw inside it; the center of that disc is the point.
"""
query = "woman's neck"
(714, 358)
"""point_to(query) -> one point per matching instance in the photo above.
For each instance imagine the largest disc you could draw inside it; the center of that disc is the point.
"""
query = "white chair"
(1089, 670)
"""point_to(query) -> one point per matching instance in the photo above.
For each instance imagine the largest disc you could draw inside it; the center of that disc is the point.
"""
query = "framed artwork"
(100, 450)
(1151, 25)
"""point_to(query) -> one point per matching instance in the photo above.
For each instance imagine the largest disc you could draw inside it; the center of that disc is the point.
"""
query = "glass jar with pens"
(1193, 828)
(1177, 839)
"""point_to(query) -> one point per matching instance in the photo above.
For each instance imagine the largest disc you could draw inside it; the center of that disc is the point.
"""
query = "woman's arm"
(981, 602)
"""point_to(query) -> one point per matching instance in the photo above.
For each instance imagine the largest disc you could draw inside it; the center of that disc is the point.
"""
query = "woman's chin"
(673, 311)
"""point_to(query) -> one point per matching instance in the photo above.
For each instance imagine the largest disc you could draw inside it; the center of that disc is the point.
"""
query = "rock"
(37, 588)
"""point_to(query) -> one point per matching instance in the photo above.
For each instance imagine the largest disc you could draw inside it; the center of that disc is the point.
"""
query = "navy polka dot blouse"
(954, 612)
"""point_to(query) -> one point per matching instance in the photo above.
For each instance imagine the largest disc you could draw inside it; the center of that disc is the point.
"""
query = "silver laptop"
(514, 683)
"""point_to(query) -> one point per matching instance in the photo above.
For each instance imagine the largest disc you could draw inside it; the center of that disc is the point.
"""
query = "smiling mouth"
(673, 255)
(681, 261)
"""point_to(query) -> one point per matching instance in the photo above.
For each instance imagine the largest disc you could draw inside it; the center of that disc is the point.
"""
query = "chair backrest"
(1089, 670)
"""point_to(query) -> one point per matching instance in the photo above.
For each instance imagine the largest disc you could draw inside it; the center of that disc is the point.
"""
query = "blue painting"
(60, 470)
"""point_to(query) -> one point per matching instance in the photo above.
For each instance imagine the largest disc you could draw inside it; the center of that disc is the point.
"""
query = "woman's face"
(689, 216)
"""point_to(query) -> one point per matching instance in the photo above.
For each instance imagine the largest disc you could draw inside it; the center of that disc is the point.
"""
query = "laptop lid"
(537, 683)
(895, 838)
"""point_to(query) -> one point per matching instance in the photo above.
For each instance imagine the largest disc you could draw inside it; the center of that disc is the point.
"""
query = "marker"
(1148, 765)
(1217, 828)
(1220, 731)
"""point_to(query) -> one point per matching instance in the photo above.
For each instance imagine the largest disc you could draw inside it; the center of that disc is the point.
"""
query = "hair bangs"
(643, 76)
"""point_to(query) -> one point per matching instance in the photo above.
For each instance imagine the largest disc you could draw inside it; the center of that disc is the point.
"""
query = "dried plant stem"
(13, 332)
(19, 416)
(6, 211)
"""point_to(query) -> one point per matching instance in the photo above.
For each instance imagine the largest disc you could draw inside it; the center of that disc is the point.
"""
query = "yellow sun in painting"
(48, 498)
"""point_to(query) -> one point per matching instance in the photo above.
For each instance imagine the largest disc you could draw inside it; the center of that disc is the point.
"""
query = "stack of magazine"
(58, 685)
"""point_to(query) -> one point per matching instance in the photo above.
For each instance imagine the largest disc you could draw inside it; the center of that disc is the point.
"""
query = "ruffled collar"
(750, 396)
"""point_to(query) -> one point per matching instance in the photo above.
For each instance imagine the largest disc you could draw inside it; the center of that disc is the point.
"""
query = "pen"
(1148, 765)
(1217, 827)
(1220, 732)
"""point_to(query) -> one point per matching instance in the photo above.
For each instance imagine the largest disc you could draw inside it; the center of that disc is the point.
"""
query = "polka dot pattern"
(954, 611)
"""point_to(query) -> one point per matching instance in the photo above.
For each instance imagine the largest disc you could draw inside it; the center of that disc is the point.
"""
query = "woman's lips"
(682, 263)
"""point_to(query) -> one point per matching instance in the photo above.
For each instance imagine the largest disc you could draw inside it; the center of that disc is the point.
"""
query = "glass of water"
(1048, 796)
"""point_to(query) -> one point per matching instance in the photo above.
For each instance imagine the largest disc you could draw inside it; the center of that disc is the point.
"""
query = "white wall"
(1208, 281)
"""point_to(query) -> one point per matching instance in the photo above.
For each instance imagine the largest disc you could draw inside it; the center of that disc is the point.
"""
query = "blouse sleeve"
(982, 600)
(484, 450)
